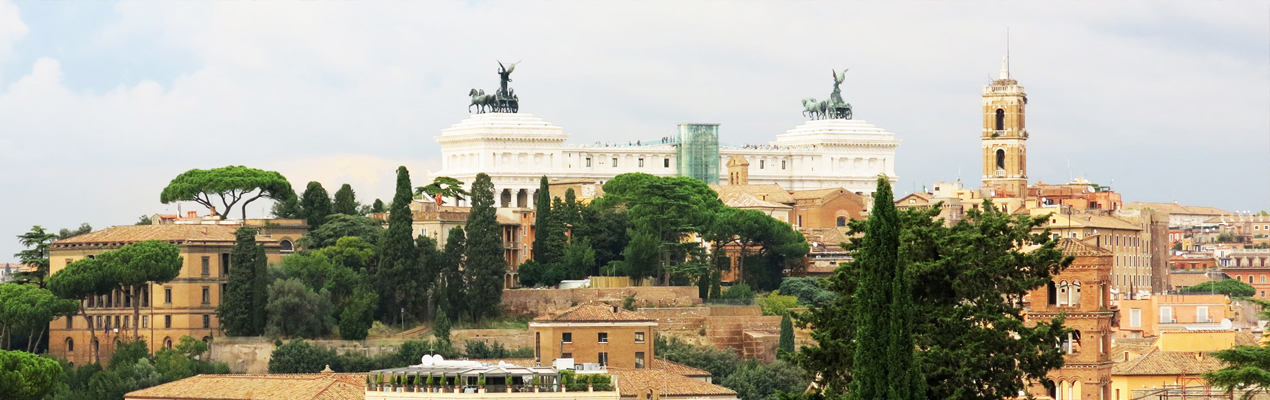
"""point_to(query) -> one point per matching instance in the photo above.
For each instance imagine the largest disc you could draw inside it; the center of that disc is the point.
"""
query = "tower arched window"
(842, 221)
(1053, 293)
(1001, 159)
(1000, 120)
(1063, 298)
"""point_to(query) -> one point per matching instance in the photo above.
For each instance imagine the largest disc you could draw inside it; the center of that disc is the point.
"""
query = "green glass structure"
(698, 152)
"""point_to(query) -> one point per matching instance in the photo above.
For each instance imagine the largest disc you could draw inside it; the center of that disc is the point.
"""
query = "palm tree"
(444, 186)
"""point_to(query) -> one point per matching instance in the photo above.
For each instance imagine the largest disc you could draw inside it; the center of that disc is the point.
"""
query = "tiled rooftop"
(817, 193)
(678, 369)
(260, 387)
(773, 193)
(1180, 279)
(596, 313)
(746, 200)
(1174, 208)
(632, 382)
(1073, 247)
(168, 233)
(1158, 362)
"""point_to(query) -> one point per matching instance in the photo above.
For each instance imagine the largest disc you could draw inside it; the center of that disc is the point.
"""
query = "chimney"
(192, 214)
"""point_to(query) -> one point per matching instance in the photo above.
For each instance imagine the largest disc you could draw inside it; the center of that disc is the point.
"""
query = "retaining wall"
(535, 302)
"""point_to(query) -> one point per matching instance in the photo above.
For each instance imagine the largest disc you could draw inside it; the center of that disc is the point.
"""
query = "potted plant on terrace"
(508, 383)
(480, 383)
(429, 383)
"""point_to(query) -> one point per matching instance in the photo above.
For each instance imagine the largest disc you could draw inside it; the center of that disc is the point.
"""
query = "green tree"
(668, 208)
(968, 316)
(721, 363)
(241, 311)
(755, 381)
(345, 201)
(110, 385)
(37, 242)
(70, 233)
(579, 259)
(808, 290)
(441, 327)
(231, 184)
(549, 232)
(339, 226)
(26, 376)
(81, 280)
(398, 256)
(136, 265)
(316, 205)
(606, 227)
(1247, 368)
(787, 334)
(452, 261)
(1229, 287)
(127, 352)
(378, 206)
(483, 260)
(144, 220)
(445, 187)
(29, 309)
(300, 357)
(295, 310)
(641, 255)
(359, 314)
(288, 208)
(532, 273)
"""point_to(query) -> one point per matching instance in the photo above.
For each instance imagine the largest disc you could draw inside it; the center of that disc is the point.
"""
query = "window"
(70, 323)
(665, 163)
(614, 162)
(207, 321)
(1053, 293)
(782, 164)
(641, 163)
(145, 296)
(286, 246)
(566, 337)
(207, 295)
(1166, 315)
(588, 161)
(1135, 318)
(1263, 279)
(98, 325)
(639, 337)
(842, 221)
(207, 265)
(167, 295)
(639, 359)
(145, 321)
(125, 322)
(167, 323)
(70, 345)
(604, 359)
(224, 264)
(1071, 343)
(566, 355)
(603, 337)
(167, 342)
(118, 322)
(1000, 159)
(1201, 314)
(1000, 125)
(800, 220)
(1073, 294)
(761, 163)
(1063, 298)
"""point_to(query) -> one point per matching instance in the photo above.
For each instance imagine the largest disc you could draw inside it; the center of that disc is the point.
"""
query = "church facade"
(517, 149)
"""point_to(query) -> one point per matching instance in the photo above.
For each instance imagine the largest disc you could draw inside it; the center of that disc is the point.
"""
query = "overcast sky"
(101, 104)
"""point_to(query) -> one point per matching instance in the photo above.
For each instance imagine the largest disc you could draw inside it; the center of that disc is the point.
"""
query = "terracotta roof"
(596, 313)
(678, 369)
(749, 201)
(632, 382)
(139, 233)
(773, 193)
(1089, 221)
(1073, 247)
(737, 161)
(1178, 279)
(1245, 338)
(1158, 362)
(818, 193)
(827, 236)
(260, 387)
(1174, 208)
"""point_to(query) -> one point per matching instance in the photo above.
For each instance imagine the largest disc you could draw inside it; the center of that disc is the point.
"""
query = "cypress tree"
(452, 300)
(397, 253)
(345, 201)
(315, 205)
(484, 263)
(240, 307)
(441, 327)
(878, 257)
(377, 206)
(546, 248)
(787, 334)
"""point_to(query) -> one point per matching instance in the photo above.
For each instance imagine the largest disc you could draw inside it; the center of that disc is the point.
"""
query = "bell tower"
(1005, 136)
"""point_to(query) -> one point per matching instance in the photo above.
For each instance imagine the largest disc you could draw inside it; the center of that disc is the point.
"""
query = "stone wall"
(534, 302)
(250, 355)
(510, 338)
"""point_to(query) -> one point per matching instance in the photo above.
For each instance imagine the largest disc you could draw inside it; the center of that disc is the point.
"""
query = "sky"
(103, 103)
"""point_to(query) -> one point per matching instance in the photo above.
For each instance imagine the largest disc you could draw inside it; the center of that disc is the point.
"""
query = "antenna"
(1007, 48)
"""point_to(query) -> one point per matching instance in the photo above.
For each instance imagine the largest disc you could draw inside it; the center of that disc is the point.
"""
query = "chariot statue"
(834, 108)
(503, 100)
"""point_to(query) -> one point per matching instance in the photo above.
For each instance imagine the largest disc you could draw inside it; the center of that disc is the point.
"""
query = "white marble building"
(517, 149)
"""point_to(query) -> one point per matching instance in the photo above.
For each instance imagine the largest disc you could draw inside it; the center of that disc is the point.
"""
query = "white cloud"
(346, 92)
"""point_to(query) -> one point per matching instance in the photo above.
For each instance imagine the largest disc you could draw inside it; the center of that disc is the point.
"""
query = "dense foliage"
(242, 308)
(1247, 368)
(299, 356)
(315, 205)
(132, 368)
(484, 266)
(230, 184)
(1229, 287)
(26, 376)
(967, 313)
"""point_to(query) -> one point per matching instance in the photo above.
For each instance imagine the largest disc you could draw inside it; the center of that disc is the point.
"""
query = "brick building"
(595, 333)
(1081, 293)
